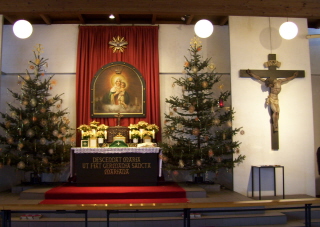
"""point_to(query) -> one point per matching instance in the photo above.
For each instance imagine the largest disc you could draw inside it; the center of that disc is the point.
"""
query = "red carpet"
(70, 194)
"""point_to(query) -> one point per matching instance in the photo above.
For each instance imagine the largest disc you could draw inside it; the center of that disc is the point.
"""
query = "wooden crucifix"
(119, 118)
(271, 79)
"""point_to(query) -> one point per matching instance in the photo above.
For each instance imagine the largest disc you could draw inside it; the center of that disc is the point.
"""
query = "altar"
(116, 166)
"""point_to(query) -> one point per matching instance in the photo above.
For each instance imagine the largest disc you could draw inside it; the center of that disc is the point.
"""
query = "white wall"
(250, 46)
(314, 45)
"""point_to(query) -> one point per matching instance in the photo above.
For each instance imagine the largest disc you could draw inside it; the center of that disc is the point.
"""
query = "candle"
(130, 134)
(153, 134)
(81, 134)
(105, 134)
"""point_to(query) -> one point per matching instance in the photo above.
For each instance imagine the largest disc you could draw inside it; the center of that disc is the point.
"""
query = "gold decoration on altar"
(118, 44)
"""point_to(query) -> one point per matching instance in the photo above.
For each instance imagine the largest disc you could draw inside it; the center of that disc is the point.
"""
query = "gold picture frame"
(118, 87)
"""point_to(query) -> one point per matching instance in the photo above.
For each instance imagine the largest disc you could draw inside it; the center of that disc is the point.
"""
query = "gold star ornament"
(118, 44)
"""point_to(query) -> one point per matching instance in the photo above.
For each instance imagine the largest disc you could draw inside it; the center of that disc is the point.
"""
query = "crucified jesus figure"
(272, 100)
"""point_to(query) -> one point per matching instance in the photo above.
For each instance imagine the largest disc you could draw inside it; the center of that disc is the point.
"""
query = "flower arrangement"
(147, 134)
(152, 127)
(100, 134)
(94, 124)
(87, 135)
(102, 127)
(84, 128)
(135, 134)
(133, 127)
(93, 130)
(142, 124)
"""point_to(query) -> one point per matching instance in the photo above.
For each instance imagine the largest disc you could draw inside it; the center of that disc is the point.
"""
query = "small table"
(274, 178)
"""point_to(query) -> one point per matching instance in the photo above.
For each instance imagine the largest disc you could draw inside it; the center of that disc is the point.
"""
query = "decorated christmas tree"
(36, 133)
(198, 133)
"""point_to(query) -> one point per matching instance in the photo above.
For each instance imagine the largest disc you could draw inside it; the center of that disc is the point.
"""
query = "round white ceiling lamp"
(203, 28)
(22, 29)
(288, 30)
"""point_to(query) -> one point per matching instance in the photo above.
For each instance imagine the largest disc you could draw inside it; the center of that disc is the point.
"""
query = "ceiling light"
(111, 16)
(203, 28)
(22, 29)
(288, 30)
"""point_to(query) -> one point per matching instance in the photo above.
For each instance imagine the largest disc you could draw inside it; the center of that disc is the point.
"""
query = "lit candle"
(105, 134)
(130, 134)
(153, 134)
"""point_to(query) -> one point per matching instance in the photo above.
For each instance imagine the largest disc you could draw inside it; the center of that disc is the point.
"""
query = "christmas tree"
(36, 134)
(198, 130)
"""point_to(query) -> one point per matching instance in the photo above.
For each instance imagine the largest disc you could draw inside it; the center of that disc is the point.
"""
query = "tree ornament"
(10, 140)
(191, 109)
(33, 102)
(204, 84)
(43, 141)
(21, 165)
(199, 162)
(30, 133)
(221, 104)
(210, 153)
(7, 124)
(179, 126)
(216, 121)
(45, 160)
(194, 69)
(195, 131)
(51, 151)
(229, 123)
(181, 163)
(20, 145)
(43, 110)
(43, 122)
(211, 66)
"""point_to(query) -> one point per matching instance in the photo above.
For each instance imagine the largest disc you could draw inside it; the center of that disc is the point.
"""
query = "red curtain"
(94, 52)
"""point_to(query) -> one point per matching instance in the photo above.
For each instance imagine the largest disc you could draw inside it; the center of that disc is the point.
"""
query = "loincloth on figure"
(271, 100)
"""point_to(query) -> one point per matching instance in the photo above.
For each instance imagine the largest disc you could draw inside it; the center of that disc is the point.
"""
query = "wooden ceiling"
(154, 11)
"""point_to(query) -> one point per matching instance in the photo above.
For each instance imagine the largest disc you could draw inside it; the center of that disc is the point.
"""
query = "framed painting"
(118, 87)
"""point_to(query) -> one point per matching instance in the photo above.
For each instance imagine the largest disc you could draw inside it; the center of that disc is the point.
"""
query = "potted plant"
(101, 136)
(135, 135)
(147, 135)
(154, 129)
